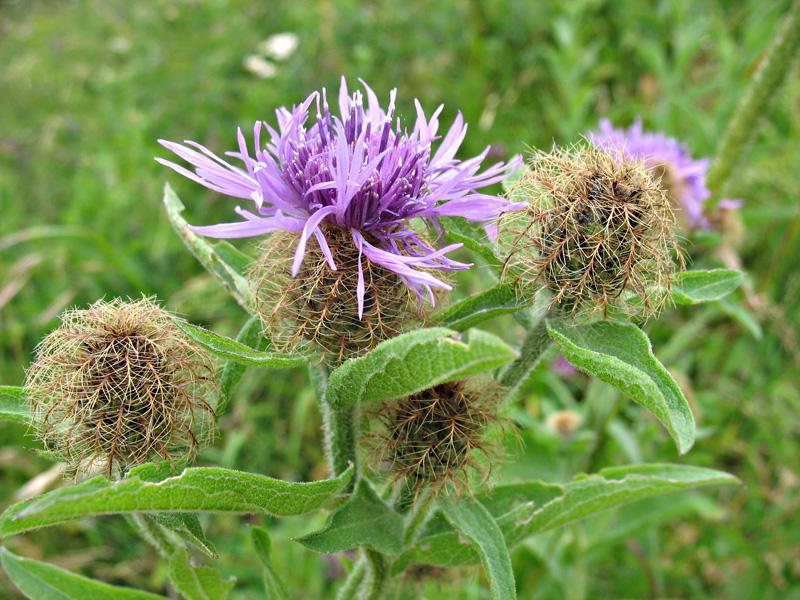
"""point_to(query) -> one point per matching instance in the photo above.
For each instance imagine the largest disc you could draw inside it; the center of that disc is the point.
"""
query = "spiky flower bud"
(598, 231)
(438, 435)
(119, 384)
(320, 306)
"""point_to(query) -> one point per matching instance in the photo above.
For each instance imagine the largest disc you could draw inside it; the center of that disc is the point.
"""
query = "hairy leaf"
(196, 582)
(413, 362)
(187, 527)
(41, 581)
(231, 372)
(198, 489)
(694, 287)
(14, 405)
(460, 231)
(231, 279)
(470, 518)
(620, 354)
(237, 351)
(499, 300)
(273, 585)
(581, 498)
(364, 520)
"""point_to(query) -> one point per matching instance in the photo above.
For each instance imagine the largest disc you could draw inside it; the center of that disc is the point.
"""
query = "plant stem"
(418, 516)
(338, 425)
(779, 56)
(353, 581)
(374, 582)
(536, 343)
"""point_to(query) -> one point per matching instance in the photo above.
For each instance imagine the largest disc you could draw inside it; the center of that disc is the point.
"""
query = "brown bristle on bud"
(119, 384)
(438, 435)
(598, 229)
(320, 306)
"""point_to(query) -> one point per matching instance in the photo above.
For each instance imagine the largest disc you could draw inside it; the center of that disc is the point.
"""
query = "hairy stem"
(779, 57)
(418, 517)
(338, 424)
(536, 343)
(349, 590)
(375, 577)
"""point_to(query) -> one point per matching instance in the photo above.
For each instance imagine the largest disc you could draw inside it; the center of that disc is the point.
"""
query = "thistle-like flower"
(346, 190)
(671, 163)
(598, 231)
(438, 435)
(119, 384)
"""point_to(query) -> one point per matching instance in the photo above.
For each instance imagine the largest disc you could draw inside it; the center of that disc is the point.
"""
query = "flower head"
(683, 177)
(360, 173)
(118, 384)
(598, 232)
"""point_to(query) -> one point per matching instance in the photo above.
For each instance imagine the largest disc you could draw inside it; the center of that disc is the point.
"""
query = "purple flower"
(685, 176)
(360, 172)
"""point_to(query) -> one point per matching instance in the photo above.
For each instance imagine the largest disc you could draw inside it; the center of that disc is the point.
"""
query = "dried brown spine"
(119, 384)
(319, 306)
(598, 226)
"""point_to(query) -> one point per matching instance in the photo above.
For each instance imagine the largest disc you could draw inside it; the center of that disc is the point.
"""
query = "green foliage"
(694, 287)
(274, 587)
(198, 489)
(413, 362)
(364, 520)
(473, 521)
(533, 512)
(620, 354)
(40, 581)
(231, 372)
(236, 351)
(498, 300)
(231, 279)
(196, 582)
(14, 405)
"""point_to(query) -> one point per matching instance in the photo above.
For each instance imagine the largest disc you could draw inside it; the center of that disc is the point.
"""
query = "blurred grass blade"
(196, 582)
(621, 354)
(231, 279)
(413, 362)
(473, 521)
(14, 405)
(502, 299)
(694, 287)
(41, 581)
(734, 309)
(236, 351)
(197, 489)
(274, 587)
(364, 520)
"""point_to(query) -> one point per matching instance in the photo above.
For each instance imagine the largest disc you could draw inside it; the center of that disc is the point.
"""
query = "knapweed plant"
(363, 222)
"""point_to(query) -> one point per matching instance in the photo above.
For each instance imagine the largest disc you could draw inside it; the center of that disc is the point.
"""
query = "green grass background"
(86, 87)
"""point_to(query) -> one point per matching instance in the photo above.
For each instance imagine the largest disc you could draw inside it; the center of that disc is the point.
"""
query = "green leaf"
(196, 582)
(694, 287)
(233, 256)
(273, 585)
(232, 371)
(41, 581)
(187, 527)
(458, 230)
(502, 299)
(741, 315)
(231, 279)
(14, 405)
(198, 489)
(581, 498)
(470, 518)
(620, 354)
(413, 362)
(236, 351)
(364, 520)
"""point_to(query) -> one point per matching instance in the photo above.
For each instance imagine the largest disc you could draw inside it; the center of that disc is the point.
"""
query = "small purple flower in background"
(683, 176)
(359, 172)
